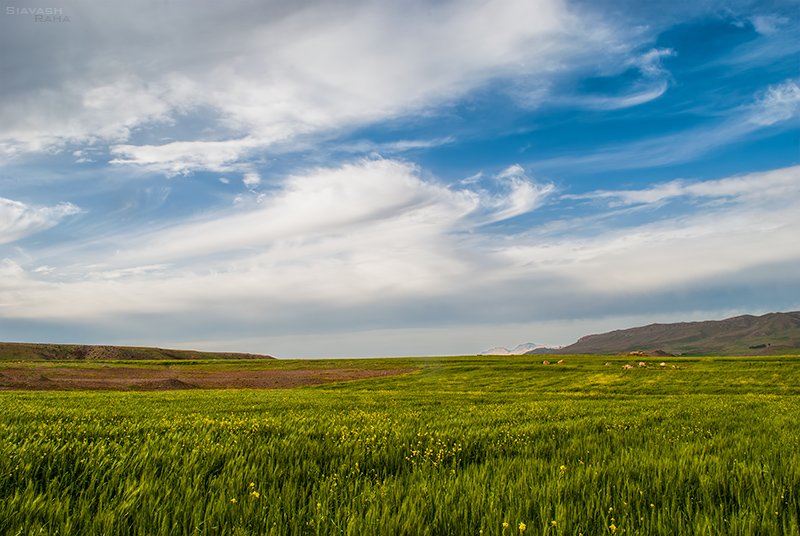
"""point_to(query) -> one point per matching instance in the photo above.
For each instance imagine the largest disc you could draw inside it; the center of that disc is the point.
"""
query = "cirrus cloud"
(18, 220)
(307, 71)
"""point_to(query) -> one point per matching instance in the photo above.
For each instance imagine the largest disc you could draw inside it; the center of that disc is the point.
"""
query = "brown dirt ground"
(144, 379)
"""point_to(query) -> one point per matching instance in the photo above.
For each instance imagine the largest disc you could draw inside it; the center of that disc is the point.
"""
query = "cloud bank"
(372, 240)
(306, 71)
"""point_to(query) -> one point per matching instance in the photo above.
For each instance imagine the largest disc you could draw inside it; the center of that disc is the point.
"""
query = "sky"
(393, 178)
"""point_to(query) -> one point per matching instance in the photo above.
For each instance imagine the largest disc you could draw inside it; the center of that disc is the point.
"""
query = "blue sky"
(361, 178)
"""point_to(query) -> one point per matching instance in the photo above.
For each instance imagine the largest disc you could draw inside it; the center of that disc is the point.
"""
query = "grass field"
(472, 445)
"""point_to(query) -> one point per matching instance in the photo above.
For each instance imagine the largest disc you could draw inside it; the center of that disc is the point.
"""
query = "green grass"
(461, 446)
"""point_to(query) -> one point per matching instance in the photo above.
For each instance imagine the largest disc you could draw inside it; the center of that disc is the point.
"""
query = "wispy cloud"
(768, 24)
(653, 83)
(523, 194)
(777, 105)
(393, 147)
(640, 94)
(18, 220)
(251, 180)
(184, 157)
(755, 187)
(336, 202)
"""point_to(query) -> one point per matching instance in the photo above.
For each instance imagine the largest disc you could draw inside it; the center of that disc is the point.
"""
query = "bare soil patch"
(157, 379)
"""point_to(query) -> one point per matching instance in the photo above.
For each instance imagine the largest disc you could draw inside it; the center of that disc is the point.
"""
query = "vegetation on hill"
(18, 351)
(465, 446)
(770, 334)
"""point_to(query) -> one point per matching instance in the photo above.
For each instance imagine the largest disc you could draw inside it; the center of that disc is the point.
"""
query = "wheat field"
(464, 446)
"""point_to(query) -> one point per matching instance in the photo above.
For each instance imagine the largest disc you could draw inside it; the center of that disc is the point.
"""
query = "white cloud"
(44, 119)
(251, 180)
(650, 64)
(367, 231)
(373, 241)
(768, 24)
(183, 157)
(389, 148)
(752, 222)
(294, 70)
(780, 103)
(18, 220)
(472, 179)
(523, 195)
(668, 254)
(754, 187)
(639, 96)
(653, 82)
(337, 202)
(512, 172)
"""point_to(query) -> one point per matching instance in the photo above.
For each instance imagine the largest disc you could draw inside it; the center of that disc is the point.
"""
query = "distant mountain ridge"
(769, 334)
(20, 351)
(520, 349)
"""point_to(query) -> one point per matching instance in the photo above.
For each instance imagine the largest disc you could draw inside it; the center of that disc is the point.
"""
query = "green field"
(462, 446)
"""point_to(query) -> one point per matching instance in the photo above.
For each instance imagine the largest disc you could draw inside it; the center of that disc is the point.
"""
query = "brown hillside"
(770, 334)
(17, 351)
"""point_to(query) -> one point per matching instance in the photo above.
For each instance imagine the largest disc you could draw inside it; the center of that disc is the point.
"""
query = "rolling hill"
(18, 351)
(769, 334)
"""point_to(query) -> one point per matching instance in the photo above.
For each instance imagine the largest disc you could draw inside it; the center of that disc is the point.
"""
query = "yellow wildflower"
(255, 494)
(522, 527)
(613, 527)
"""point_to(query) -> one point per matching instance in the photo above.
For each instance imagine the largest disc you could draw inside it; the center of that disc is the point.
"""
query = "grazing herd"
(642, 364)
